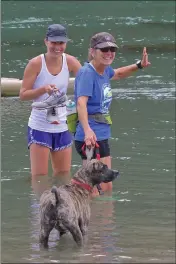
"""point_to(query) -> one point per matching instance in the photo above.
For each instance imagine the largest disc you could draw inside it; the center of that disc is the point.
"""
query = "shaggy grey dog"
(67, 208)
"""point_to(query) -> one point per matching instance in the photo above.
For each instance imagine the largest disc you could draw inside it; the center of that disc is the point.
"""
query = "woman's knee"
(106, 186)
(58, 172)
(107, 161)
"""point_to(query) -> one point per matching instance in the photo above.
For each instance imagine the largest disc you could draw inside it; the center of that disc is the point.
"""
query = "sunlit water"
(137, 222)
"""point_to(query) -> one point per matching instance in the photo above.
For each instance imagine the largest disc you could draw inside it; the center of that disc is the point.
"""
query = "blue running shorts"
(53, 141)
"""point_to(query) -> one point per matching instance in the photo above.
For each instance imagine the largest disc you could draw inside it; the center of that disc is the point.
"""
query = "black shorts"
(104, 149)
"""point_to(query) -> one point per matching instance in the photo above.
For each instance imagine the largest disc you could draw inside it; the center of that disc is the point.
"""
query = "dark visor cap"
(102, 40)
(57, 33)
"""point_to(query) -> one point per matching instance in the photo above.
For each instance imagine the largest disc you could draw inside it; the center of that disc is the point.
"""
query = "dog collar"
(83, 185)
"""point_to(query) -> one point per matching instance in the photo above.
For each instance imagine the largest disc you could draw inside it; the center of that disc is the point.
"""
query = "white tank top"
(37, 119)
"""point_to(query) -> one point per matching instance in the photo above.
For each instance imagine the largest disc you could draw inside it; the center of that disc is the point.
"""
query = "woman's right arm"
(82, 112)
(30, 74)
(90, 137)
(84, 90)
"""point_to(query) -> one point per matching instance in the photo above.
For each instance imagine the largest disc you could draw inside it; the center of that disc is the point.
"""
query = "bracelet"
(139, 65)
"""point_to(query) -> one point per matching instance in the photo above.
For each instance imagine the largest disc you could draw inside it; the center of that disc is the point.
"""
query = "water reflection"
(40, 183)
(136, 223)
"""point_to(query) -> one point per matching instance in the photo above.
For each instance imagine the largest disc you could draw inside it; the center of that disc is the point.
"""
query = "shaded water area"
(137, 222)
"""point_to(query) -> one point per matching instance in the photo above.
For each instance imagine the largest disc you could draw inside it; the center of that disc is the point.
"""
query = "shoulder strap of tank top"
(64, 61)
(43, 61)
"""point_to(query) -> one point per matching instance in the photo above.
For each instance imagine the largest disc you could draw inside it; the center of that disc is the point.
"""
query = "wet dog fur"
(67, 208)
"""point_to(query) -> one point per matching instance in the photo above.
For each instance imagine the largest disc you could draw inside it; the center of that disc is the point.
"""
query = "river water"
(136, 224)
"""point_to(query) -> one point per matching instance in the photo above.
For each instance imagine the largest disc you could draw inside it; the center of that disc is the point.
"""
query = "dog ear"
(97, 166)
(94, 167)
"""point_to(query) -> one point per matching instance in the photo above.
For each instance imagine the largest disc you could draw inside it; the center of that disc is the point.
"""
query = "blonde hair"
(90, 57)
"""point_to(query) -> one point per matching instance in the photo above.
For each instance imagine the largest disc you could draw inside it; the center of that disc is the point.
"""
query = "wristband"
(139, 65)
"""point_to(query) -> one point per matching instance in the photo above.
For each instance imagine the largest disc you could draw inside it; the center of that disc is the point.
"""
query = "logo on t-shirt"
(107, 98)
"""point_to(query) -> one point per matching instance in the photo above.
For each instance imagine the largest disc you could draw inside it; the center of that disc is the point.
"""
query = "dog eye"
(105, 166)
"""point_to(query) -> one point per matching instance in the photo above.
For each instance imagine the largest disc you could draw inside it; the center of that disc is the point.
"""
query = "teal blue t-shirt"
(97, 87)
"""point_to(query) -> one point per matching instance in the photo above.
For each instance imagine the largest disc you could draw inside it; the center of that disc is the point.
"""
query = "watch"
(139, 65)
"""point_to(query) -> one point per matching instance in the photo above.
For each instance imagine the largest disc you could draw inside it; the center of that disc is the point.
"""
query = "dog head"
(95, 172)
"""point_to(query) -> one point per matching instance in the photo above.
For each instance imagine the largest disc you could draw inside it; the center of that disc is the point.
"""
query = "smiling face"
(104, 56)
(55, 49)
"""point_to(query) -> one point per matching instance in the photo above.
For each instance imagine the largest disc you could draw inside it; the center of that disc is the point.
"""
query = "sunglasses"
(112, 49)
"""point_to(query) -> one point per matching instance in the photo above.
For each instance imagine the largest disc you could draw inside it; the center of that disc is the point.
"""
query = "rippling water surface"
(137, 222)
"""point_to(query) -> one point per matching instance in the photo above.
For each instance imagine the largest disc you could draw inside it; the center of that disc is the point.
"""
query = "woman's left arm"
(128, 70)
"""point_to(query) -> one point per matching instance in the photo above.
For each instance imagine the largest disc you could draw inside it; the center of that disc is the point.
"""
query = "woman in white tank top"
(43, 75)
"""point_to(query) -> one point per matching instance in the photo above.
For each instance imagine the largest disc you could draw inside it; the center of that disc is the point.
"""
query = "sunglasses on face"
(112, 49)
